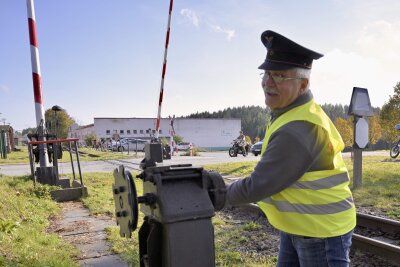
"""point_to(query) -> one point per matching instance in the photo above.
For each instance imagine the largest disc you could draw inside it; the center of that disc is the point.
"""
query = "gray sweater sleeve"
(294, 149)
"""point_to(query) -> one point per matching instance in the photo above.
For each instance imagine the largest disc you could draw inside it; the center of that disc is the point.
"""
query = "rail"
(381, 248)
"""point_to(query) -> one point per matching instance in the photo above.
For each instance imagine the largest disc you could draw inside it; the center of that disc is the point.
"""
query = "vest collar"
(299, 101)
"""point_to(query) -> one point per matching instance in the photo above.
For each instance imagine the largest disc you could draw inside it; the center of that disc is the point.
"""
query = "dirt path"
(86, 232)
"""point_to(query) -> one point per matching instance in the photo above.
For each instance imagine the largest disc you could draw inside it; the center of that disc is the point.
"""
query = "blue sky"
(103, 58)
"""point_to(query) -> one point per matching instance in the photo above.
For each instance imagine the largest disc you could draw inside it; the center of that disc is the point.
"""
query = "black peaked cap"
(283, 53)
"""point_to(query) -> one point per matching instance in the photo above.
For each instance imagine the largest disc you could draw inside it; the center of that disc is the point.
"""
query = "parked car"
(184, 145)
(256, 148)
(130, 144)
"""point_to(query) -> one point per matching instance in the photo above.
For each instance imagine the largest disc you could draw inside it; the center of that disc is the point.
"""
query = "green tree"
(29, 130)
(178, 139)
(345, 128)
(253, 118)
(58, 120)
(390, 116)
(374, 129)
(89, 139)
(164, 141)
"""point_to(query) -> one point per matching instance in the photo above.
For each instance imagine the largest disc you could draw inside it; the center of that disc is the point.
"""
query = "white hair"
(304, 74)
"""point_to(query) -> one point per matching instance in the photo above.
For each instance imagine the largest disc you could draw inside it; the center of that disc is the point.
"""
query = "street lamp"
(360, 108)
(56, 109)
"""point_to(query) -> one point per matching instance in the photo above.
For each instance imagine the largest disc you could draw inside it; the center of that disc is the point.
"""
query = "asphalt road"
(133, 164)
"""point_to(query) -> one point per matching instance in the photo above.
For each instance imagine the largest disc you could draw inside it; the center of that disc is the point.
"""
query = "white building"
(80, 132)
(205, 133)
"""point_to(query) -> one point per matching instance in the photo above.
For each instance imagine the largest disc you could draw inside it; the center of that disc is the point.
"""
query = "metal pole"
(79, 164)
(163, 71)
(1, 144)
(357, 160)
(357, 168)
(55, 161)
(31, 163)
(72, 162)
(37, 83)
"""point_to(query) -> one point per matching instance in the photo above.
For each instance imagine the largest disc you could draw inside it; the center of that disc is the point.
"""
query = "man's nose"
(269, 81)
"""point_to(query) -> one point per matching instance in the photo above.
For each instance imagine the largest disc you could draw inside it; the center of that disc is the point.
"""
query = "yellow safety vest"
(320, 203)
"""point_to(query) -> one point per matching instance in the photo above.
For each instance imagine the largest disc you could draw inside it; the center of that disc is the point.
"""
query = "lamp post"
(56, 109)
(360, 108)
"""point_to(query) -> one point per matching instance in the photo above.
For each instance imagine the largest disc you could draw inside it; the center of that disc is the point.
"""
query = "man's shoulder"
(303, 131)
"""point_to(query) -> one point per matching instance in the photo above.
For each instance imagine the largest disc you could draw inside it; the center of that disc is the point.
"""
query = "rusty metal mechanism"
(178, 203)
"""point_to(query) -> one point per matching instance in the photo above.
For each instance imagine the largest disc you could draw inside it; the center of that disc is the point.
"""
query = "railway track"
(375, 235)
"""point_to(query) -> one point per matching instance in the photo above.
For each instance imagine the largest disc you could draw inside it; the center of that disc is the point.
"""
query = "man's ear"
(303, 85)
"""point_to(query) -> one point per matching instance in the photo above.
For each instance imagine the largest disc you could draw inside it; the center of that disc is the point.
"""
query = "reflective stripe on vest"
(323, 183)
(330, 208)
(320, 203)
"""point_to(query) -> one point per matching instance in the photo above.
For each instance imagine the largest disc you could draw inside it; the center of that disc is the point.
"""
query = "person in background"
(242, 141)
(301, 182)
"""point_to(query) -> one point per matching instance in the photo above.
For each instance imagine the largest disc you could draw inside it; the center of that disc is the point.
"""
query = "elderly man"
(304, 193)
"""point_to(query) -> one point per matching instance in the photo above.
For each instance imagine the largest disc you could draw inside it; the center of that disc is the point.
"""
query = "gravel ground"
(263, 246)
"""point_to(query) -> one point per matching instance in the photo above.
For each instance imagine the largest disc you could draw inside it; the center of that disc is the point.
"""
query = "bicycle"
(395, 150)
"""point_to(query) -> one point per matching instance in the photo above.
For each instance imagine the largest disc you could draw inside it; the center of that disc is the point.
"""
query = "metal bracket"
(126, 202)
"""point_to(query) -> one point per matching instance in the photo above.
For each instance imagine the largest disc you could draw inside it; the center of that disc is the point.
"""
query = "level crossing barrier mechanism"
(50, 175)
(178, 203)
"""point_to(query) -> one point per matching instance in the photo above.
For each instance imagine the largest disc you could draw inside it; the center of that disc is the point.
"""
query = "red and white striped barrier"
(163, 71)
(36, 77)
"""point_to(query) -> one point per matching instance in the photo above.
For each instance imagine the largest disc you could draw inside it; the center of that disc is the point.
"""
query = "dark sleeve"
(292, 150)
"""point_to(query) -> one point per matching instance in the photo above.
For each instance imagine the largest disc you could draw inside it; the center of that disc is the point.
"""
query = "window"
(160, 131)
(154, 131)
(134, 131)
(121, 131)
(108, 132)
(128, 131)
(141, 131)
(148, 131)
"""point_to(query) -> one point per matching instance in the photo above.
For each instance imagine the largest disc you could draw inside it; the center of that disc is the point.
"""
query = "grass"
(24, 217)
(381, 185)
(236, 169)
(24, 213)
(87, 154)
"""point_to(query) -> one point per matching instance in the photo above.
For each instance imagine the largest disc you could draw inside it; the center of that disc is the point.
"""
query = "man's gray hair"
(304, 74)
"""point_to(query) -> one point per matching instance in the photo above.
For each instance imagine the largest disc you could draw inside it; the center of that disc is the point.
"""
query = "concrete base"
(68, 194)
(46, 175)
(63, 182)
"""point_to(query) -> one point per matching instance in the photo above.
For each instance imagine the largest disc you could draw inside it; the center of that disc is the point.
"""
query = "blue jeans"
(313, 252)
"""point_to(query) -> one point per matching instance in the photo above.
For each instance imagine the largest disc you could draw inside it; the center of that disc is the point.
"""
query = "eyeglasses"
(277, 78)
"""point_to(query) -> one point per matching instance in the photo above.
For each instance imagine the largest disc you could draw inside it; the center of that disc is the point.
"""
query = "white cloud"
(229, 33)
(335, 75)
(191, 16)
(381, 40)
